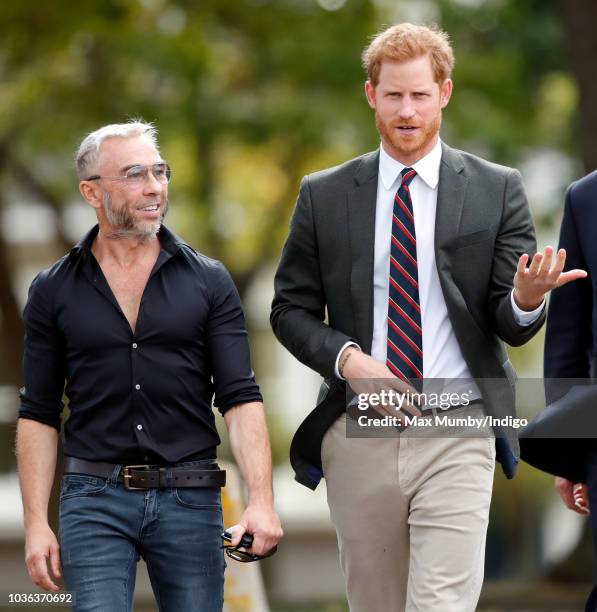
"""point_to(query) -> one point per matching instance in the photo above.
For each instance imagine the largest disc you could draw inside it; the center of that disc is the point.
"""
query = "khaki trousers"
(411, 517)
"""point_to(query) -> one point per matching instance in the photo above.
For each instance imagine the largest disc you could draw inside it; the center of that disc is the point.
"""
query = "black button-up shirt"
(142, 396)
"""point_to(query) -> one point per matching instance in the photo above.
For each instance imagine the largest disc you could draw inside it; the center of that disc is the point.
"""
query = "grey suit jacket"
(483, 225)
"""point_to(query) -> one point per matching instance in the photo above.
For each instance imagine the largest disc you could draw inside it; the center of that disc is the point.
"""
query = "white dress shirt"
(442, 357)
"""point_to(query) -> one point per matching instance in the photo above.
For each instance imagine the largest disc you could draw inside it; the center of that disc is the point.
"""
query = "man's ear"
(370, 93)
(445, 92)
(91, 194)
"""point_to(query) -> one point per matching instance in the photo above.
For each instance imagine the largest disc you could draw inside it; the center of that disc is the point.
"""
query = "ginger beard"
(403, 145)
(126, 225)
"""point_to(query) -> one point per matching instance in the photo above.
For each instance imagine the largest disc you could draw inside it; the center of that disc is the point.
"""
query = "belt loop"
(113, 480)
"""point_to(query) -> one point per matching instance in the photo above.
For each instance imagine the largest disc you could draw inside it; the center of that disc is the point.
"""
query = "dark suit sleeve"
(516, 236)
(568, 338)
(298, 308)
(43, 358)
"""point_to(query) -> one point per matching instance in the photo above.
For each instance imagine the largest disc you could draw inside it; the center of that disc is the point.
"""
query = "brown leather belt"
(137, 477)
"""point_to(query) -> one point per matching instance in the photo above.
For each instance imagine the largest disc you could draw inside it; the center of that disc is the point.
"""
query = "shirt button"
(134, 345)
(139, 427)
(137, 387)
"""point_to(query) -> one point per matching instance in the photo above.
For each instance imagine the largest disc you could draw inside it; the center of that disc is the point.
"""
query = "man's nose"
(406, 110)
(152, 185)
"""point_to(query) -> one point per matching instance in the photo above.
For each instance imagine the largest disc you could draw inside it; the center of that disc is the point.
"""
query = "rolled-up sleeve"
(228, 345)
(43, 358)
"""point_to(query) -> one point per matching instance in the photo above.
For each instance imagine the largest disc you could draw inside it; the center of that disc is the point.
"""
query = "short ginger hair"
(406, 41)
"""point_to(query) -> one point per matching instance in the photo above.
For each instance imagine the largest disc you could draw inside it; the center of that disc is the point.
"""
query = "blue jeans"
(105, 529)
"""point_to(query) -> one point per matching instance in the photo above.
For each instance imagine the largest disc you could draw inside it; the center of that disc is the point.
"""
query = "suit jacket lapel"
(361, 204)
(450, 200)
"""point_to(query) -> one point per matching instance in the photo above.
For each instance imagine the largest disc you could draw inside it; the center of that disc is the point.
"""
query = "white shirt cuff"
(336, 372)
(524, 317)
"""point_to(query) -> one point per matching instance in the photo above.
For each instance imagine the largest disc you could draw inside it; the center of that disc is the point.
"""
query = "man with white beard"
(144, 330)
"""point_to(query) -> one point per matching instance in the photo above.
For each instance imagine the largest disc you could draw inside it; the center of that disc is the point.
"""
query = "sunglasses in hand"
(243, 556)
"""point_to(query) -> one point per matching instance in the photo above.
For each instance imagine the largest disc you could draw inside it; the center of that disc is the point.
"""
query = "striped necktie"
(405, 340)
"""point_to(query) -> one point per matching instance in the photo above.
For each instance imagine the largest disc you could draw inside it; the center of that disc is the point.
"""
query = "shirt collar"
(427, 167)
(169, 241)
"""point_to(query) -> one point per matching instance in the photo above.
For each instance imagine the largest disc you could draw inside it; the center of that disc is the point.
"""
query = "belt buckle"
(126, 475)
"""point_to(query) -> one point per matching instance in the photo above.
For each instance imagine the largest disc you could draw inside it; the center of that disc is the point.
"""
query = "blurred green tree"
(244, 94)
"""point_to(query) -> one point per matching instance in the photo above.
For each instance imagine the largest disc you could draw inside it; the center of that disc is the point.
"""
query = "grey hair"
(87, 157)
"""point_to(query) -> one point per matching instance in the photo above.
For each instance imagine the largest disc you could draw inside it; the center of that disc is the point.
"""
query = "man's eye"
(135, 173)
(159, 171)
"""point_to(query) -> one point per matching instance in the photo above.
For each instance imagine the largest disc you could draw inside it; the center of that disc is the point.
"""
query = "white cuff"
(336, 372)
(524, 317)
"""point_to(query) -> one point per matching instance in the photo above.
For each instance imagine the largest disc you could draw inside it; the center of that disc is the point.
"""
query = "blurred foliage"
(250, 95)
(245, 96)
(513, 90)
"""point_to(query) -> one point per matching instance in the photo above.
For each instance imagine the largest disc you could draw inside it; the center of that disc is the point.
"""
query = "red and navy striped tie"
(405, 339)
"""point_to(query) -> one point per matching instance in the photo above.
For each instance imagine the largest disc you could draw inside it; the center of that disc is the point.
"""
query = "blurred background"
(248, 96)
